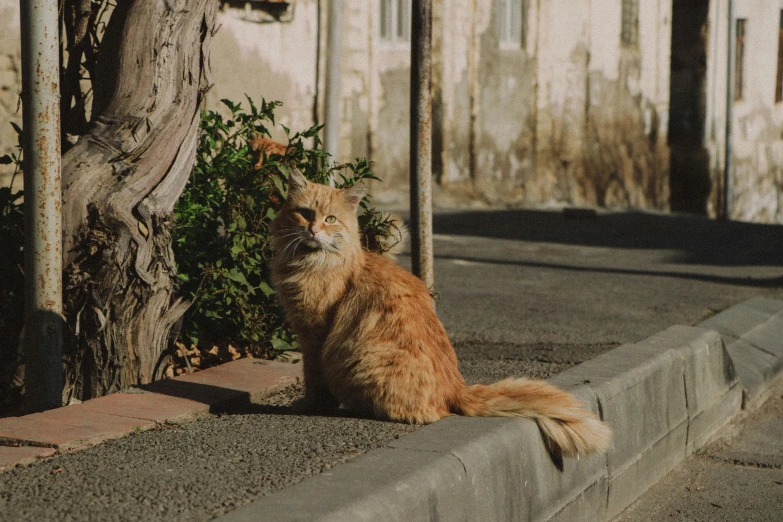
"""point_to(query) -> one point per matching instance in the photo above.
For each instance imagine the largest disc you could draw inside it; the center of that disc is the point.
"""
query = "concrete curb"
(39, 435)
(664, 397)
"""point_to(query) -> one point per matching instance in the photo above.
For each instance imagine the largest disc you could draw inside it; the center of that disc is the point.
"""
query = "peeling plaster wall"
(602, 107)
(389, 110)
(10, 83)
(504, 114)
(570, 117)
(757, 137)
(275, 61)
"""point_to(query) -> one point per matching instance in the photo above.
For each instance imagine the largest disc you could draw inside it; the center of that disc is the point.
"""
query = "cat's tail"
(568, 428)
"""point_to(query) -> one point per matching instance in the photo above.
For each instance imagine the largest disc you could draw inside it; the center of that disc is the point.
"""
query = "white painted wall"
(757, 134)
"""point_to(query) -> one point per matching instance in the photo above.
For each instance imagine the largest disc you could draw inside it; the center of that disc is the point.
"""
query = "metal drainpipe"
(421, 141)
(333, 73)
(42, 204)
(731, 37)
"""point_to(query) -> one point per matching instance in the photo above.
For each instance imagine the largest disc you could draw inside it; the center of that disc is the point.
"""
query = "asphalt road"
(525, 293)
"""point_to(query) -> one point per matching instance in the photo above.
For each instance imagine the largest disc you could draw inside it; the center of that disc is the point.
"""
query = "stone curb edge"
(31, 437)
(664, 398)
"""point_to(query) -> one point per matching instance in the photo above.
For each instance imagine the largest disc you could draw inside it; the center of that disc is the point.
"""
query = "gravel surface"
(192, 471)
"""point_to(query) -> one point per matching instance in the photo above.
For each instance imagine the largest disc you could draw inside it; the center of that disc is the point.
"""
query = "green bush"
(11, 280)
(222, 239)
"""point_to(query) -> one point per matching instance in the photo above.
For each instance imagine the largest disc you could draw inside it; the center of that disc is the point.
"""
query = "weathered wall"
(504, 113)
(626, 158)
(757, 137)
(275, 61)
(572, 116)
(10, 82)
(569, 117)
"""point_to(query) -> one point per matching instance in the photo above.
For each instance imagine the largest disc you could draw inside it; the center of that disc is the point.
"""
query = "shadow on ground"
(697, 240)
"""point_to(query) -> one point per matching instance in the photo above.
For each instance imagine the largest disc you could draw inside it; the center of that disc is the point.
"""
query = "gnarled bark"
(120, 184)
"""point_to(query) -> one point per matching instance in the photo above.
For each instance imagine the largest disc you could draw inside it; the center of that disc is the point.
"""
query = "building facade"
(616, 103)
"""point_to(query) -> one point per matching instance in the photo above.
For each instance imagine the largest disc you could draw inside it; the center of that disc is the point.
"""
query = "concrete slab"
(737, 320)
(386, 484)
(706, 423)
(631, 379)
(628, 483)
(149, 406)
(510, 473)
(759, 437)
(754, 367)
(243, 380)
(69, 427)
(765, 304)
(767, 336)
(20, 455)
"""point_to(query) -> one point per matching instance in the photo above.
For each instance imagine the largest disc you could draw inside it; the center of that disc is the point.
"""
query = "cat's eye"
(331, 220)
(306, 213)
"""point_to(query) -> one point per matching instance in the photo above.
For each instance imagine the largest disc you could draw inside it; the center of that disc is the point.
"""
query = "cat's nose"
(314, 231)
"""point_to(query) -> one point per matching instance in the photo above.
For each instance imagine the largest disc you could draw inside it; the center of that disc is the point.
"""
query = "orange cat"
(265, 147)
(370, 337)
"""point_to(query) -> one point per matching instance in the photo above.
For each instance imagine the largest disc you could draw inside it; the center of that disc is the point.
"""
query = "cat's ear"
(353, 195)
(296, 181)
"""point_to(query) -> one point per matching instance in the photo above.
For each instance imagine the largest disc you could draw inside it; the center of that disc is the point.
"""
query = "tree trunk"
(120, 183)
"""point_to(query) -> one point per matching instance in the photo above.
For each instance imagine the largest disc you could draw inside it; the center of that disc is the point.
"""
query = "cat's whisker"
(286, 247)
(298, 242)
(293, 245)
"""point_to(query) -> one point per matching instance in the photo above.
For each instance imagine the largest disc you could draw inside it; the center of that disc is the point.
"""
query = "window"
(779, 77)
(512, 20)
(739, 59)
(629, 29)
(395, 21)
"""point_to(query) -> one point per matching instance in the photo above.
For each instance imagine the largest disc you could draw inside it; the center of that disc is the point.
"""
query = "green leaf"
(268, 290)
(279, 184)
(236, 275)
(241, 223)
(279, 344)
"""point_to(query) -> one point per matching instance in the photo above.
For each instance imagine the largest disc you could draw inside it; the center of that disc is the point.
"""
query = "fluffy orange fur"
(265, 147)
(371, 340)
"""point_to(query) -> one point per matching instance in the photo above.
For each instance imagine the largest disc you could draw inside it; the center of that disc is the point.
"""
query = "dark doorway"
(689, 162)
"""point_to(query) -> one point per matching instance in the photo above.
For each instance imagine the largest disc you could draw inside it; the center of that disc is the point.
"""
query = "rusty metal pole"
(421, 141)
(42, 204)
(334, 52)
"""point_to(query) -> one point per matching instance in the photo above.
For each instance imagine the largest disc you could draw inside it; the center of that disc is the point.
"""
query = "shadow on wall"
(698, 240)
(689, 160)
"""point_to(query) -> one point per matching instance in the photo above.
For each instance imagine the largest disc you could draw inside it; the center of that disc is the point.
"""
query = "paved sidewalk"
(544, 293)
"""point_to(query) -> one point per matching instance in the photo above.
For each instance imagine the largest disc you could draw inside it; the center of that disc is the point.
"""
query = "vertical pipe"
(421, 141)
(316, 100)
(730, 37)
(42, 204)
(334, 51)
